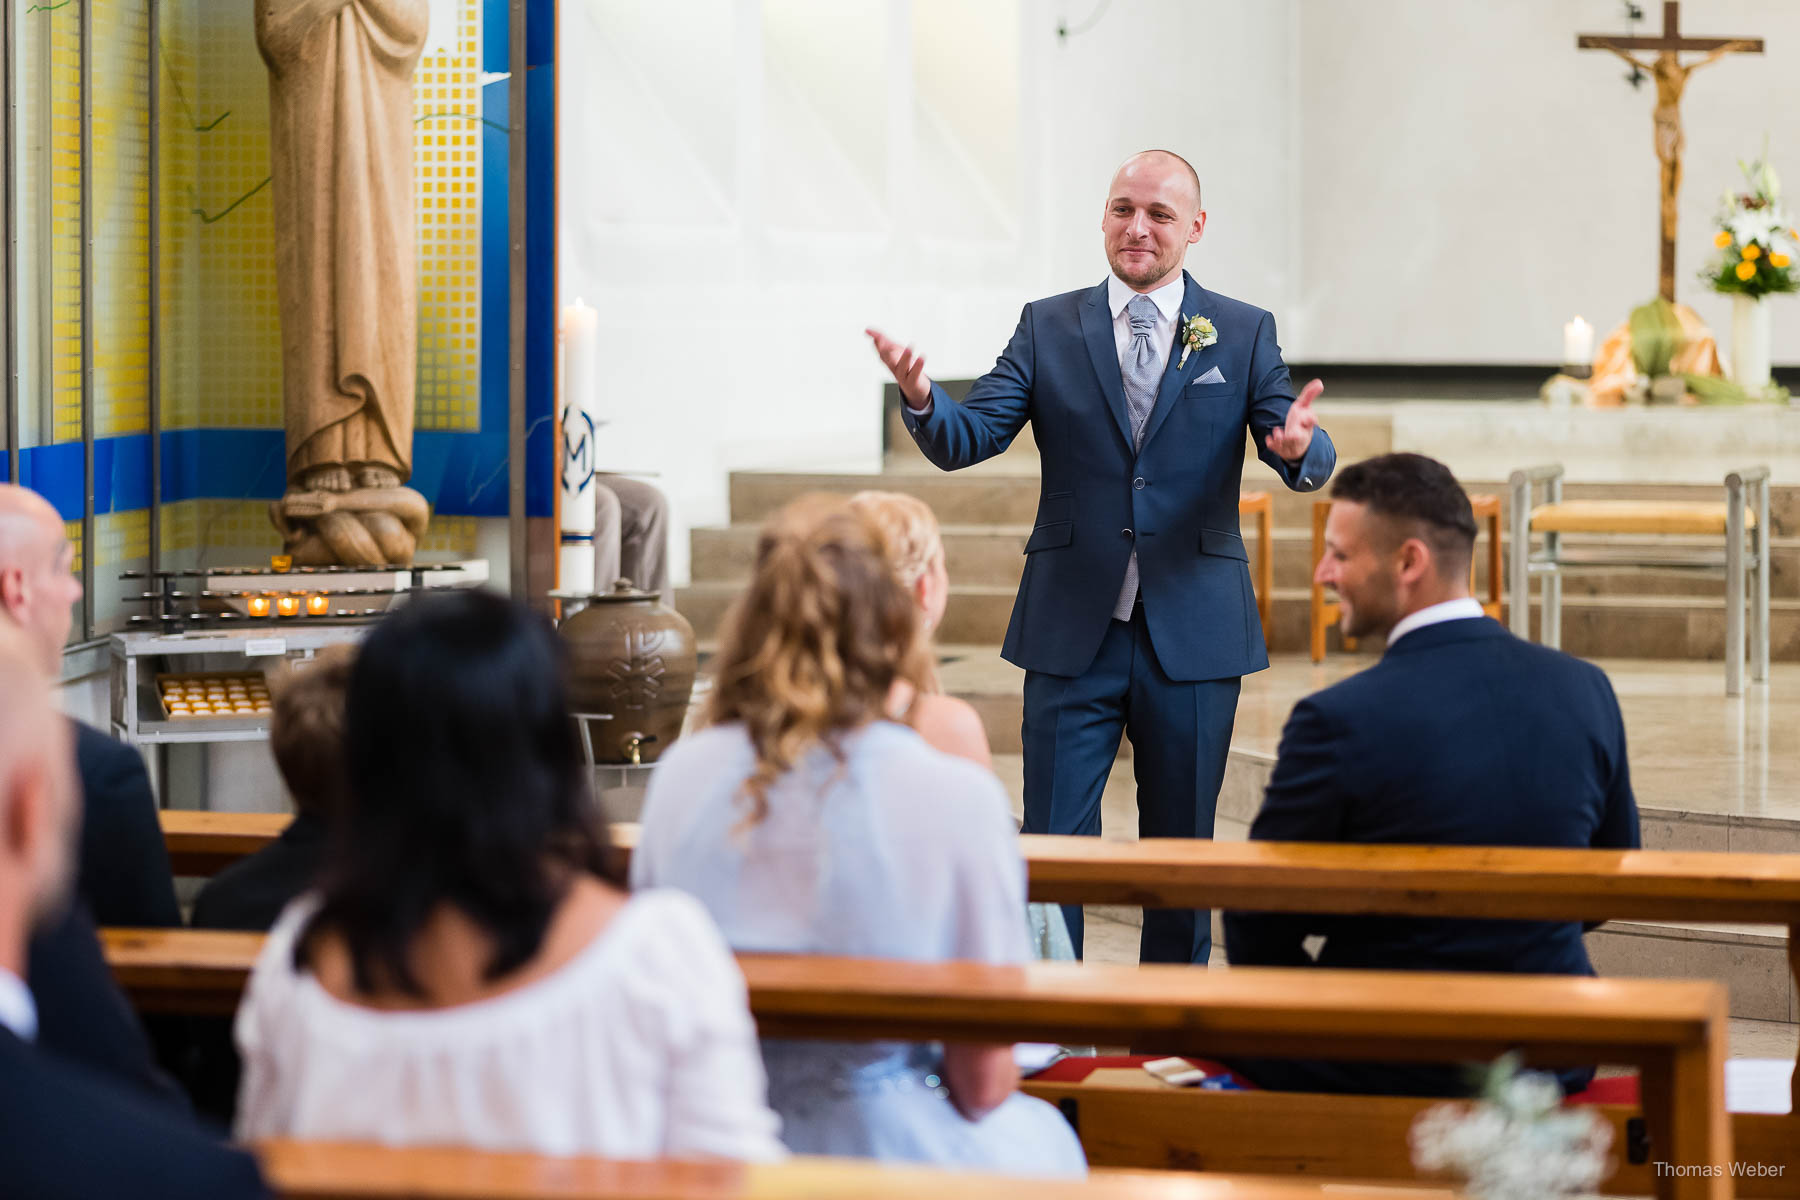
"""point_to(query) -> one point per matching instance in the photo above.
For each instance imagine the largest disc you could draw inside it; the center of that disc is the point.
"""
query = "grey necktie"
(1139, 370)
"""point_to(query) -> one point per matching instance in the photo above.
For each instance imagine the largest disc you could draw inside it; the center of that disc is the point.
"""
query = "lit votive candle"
(318, 604)
(288, 606)
(259, 606)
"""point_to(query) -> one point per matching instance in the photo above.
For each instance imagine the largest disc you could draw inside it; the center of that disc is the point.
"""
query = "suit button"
(1125, 533)
(1138, 483)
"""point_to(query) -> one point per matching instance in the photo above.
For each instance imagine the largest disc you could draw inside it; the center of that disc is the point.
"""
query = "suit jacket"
(250, 893)
(123, 870)
(1175, 499)
(70, 1135)
(84, 1018)
(1461, 735)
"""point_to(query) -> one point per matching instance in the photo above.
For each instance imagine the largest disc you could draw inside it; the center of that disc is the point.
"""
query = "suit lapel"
(1097, 331)
(1168, 395)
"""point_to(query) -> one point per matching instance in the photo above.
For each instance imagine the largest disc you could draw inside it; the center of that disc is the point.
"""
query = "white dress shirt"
(1449, 610)
(18, 1011)
(1167, 299)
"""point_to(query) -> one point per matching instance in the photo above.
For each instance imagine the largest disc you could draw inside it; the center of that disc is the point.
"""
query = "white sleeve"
(991, 924)
(718, 1091)
(261, 1020)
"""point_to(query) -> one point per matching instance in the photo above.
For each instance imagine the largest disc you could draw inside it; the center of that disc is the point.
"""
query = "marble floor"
(1693, 749)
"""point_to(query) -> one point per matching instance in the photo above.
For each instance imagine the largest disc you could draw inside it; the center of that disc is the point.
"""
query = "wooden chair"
(361, 1171)
(1261, 506)
(1731, 520)
(1672, 1031)
(1325, 611)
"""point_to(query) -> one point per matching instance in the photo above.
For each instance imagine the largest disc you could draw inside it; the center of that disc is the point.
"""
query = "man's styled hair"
(306, 730)
(1418, 497)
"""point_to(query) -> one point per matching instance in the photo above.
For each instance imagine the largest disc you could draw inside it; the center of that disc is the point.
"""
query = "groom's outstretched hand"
(1292, 439)
(907, 367)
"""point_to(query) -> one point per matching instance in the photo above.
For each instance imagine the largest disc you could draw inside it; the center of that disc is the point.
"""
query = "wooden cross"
(1671, 78)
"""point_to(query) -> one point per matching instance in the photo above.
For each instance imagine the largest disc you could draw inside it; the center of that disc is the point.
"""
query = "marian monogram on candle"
(577, 450)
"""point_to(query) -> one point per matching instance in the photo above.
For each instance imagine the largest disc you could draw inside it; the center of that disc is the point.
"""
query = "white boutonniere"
(1197, 333)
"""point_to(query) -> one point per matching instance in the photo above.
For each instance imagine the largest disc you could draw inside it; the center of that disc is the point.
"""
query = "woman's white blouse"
(641, 1046)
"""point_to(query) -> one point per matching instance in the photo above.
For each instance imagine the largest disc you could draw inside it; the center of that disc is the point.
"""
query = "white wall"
(1469, 180)
(745, 189)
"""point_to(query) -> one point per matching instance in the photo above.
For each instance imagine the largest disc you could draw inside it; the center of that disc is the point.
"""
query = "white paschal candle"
(576, 456)
(1578, 343)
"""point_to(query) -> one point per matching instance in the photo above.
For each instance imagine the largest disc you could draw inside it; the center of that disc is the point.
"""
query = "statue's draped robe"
(341, 150)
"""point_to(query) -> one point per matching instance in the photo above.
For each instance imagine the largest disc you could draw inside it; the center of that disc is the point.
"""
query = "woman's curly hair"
(811, 648)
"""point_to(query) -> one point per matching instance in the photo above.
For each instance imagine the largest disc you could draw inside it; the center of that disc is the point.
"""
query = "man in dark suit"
(1461, 735)
(122, 871)
(1135, 613)
(68, 1132)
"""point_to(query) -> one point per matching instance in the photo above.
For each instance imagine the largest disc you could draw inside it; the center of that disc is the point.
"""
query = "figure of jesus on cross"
(1671, 79)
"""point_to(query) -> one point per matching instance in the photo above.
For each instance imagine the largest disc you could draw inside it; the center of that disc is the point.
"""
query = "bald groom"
(1135, 614)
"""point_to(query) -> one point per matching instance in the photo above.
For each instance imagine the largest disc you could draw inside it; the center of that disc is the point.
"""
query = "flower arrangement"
(1516, 1142)
(1756, 238)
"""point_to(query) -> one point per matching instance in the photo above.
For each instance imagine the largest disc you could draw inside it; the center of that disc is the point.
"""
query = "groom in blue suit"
(1135, 614)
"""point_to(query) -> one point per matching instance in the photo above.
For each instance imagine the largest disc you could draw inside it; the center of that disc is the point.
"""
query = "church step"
(993, 555)
(1000, 494)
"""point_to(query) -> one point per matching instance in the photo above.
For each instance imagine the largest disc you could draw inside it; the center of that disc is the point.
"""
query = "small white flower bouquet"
(1516, 1142)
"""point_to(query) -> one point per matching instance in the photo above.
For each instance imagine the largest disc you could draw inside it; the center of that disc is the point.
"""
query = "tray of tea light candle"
(234, 695)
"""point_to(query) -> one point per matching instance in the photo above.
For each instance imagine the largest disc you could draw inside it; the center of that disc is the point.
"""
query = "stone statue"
(341, 145)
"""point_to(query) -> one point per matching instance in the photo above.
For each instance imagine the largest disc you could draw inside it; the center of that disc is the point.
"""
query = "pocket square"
(1212, 376)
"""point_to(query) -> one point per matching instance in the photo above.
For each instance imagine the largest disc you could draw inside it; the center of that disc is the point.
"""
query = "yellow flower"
(1752, 252)
(1779, 260)
(1745, 270)
(1721, 239)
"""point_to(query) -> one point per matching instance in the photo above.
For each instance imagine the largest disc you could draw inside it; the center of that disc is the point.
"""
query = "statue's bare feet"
(323, 479)
(375, 476)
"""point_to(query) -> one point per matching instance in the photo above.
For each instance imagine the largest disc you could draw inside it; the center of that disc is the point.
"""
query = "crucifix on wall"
(1671, 79)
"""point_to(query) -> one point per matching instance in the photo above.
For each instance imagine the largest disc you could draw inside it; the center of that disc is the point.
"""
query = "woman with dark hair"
(470, 969)
(806, 820)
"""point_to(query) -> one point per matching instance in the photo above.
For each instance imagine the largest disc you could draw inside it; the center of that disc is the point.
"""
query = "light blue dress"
(899, 851)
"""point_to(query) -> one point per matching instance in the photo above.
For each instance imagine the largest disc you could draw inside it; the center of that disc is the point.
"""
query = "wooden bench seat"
(357, 1171)
(1633, 516)
(1131, 1125)
(1673, 1031)
(205, 843)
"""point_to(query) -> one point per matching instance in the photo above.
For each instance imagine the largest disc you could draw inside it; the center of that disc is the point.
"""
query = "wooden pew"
(1133, 1126)
(1672, 1031)
(358, 1171)
(205, 843)
(1136, 1126)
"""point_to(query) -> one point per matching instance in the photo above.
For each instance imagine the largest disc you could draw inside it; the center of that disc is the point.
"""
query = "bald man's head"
(1152, 216)
(1170, 160)
(38, 588)
(39, 814)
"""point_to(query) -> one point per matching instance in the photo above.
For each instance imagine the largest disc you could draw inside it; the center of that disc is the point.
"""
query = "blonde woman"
(915, 548)
(806, 820)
